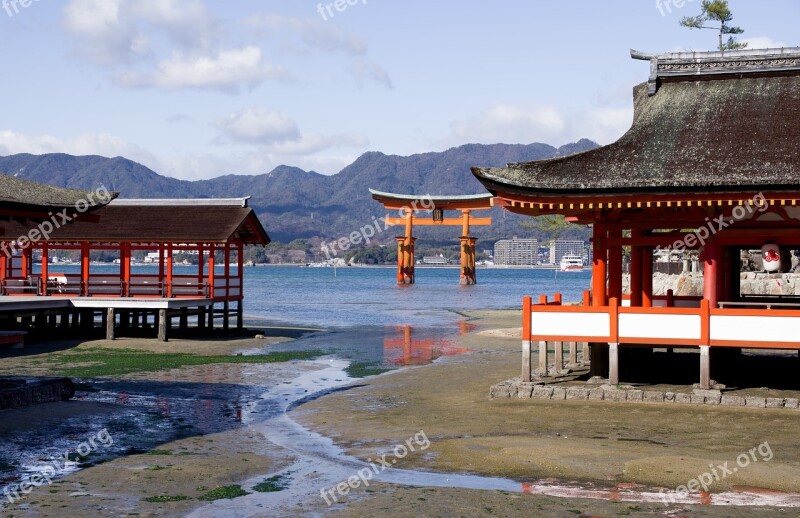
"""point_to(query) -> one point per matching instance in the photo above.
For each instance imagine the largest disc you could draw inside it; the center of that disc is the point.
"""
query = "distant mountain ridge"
(293, 203)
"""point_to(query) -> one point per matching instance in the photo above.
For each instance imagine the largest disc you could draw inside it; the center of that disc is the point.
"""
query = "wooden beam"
(448, 222)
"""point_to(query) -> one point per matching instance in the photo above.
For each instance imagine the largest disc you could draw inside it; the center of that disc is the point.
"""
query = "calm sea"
(350, 297)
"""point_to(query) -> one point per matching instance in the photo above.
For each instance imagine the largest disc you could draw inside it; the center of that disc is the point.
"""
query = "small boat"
(571, 263)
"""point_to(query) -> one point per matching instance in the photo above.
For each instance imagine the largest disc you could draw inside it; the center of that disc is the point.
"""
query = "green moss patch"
(224, 493)
(362, 370)
(272, 484)
(166, 498)
(98, 362)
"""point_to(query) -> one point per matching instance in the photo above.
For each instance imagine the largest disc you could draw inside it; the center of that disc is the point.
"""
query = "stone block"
(635, 395)
(524, 390)
(754, 401)
(512, 390)
(730, 400)
(713, 400)
(559, 393)
(683, 399)
(653, 396)
(792, 402)
(542, 392)
(499, 392)
(615, 395)
(577, 393)
(776, 402)
(697, 399)
(596, 394)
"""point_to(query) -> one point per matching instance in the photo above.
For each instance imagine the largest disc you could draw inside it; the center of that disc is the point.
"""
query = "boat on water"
(571, 263)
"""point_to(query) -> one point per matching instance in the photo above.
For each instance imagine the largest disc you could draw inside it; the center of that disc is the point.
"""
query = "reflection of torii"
(399, 348)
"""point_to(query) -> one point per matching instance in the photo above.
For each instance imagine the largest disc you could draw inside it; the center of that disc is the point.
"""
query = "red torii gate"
(408, 204)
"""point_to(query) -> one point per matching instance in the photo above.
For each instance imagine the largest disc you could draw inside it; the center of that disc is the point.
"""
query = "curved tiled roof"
(18, 194)
(704, 123)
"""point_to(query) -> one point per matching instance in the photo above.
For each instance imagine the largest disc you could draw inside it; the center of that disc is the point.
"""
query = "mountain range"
(295, 204)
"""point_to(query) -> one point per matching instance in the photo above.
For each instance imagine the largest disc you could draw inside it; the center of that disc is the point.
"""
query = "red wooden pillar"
(711, 268)
(210, 271)
(647, 277)
(125, 255)
(201, 262)
(168, 274)
(45, 259)
(240, 258)
(24, 263)
(227, 269)
(3, 267)
(636, 269)
(599, 269)
(615, 266)
(161, 263)
(400, 260)
(85, 265)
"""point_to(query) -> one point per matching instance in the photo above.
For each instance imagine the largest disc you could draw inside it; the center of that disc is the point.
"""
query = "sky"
(200, 88)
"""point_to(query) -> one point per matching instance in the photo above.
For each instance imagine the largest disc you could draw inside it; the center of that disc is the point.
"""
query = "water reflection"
(400, 348)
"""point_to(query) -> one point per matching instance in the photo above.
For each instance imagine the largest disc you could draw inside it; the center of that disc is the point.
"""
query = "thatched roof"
(23, 195)
(704, 123)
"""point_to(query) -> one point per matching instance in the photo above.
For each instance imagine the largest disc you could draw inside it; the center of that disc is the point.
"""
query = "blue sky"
(200, 88)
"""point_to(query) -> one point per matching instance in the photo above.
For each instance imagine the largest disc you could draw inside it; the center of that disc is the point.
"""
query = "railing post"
(587, 298)
(527, 303)
(211, 275)
(670, 298)
(557, 298)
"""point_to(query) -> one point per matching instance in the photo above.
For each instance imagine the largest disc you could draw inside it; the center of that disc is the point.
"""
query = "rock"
(542, 392)
(635, 395)
(499, 391)
(669, 396)
(730, 400)
(559, 393)
(597, 380)
(776, 402)
(615, 395)
(792, 402)
(261, 337)
(577, 393)
(597, 394)
(684, 399)
(653, 396)
(696, 400)
(757, 402)
(524, 390)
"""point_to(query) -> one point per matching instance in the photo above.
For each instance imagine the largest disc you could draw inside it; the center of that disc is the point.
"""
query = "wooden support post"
(613, 364)
(168, 267)
(615, 266)
(636, 270)
(85, 266)
(559, 356)
(543, 358)
(599, 266)
(163, 325)
(586, 354)
(527, 302)
(573, 354)
(211, 271)
(705, 367)
(711, 267)
(240, 315)
(226, 310)
(211, 317)
(401, 265)
(45, 261)
(110, 321)
(467, 261)
(647, 277)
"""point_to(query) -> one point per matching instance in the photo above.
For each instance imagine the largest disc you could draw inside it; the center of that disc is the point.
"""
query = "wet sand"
(597, 442)
(601, 443)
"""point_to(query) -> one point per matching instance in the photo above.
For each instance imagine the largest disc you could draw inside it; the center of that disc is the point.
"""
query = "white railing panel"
(651, 325)
(570, 324)
(755, 328)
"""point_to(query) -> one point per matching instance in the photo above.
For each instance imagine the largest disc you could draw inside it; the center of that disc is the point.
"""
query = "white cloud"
(225, 71)
(256, 125)
(363, 70)
(529, 122)
(762, 42)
